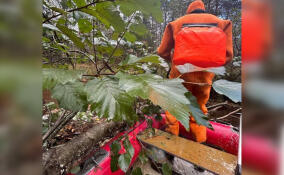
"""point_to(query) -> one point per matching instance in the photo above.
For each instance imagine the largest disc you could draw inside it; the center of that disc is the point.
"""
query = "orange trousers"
(202, 93)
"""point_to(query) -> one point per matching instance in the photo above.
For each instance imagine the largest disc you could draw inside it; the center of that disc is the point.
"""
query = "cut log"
(60, 159)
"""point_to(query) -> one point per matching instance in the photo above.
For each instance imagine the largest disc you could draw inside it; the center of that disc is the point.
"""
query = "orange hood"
(197, 4)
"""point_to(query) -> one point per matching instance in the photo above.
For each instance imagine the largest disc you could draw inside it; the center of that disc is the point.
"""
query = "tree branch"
(78, 51)
(94, 47)
(76, 9)
(52, 129)
(121, 36)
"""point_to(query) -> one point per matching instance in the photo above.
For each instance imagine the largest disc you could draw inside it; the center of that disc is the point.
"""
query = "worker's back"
(195, 14)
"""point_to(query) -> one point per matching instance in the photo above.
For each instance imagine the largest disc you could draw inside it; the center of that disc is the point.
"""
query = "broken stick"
(231, 113)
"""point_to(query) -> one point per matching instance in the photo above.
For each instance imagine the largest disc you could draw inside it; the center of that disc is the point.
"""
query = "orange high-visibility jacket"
(194, 14)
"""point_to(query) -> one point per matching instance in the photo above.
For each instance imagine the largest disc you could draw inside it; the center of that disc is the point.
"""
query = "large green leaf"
(106, 12)
(109, 100)
(147, 7)
(69, 33)
(196, 112)
(232, 90)
(169, 94)
(70, 96)
(51, 77)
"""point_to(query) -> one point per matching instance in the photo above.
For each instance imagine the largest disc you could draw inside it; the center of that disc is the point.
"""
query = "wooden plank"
(211, 159)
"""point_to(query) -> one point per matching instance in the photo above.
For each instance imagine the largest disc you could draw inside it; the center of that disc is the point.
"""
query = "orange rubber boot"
(172, 124)
(198, 131)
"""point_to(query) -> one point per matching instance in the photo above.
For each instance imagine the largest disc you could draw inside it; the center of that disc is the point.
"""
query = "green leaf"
(166, 169)
(151, 59)
(139, 29)
(58, 10)
(232, 90)
(169, 94)
(108, 14)
(137, 171)
(196, 112)
(107, 50)
(132, 59)
(114, 163)
(70, 96)
(50, 26)
(125, 159)
(51, 77)
(75, 170)
(80, 3)
(85, 26)
(69, 33)
(46, 40)
(147, 7)
(130, 37)
(128, 146)
(124, 162)
(109, 100)
(115, 148)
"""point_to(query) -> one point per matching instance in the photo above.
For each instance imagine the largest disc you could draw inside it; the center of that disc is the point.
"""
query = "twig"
(121, 36)
(225, 116)
(94, 48)
(56, 124)
(216, 105)
(97, 75)
(106, 64)
(62, 124)
(215, 109)
(75, 9)
(78, 51)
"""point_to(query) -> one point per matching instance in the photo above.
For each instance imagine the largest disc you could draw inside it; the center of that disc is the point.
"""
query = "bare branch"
(216, 105)
(231, 113)
(94, 47)
(78, 51)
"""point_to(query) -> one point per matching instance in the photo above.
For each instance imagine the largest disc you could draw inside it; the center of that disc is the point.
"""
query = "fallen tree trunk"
(60, 159)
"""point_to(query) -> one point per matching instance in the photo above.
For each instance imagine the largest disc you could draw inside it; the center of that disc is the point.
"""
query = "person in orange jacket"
(197, 82)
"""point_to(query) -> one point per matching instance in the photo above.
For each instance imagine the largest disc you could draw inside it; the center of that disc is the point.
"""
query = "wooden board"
(211, 159)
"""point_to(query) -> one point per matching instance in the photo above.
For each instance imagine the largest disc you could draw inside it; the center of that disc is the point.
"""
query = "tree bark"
(60, 159)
